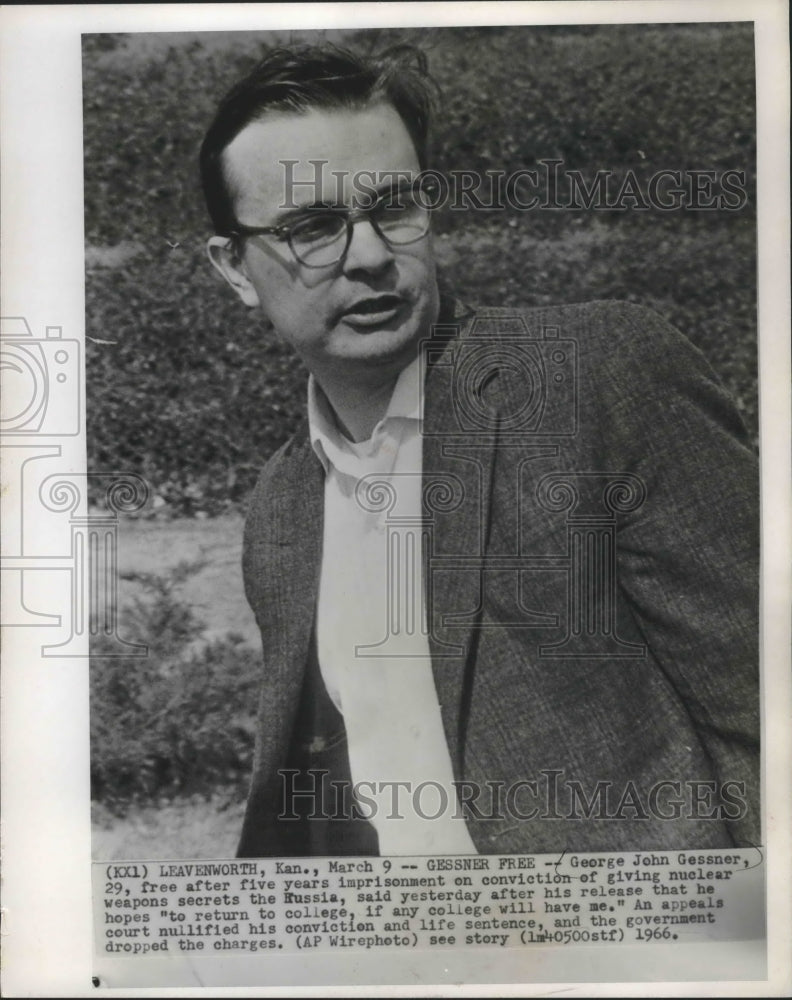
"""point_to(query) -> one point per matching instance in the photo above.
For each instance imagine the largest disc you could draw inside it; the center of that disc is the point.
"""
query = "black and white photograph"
(418, 553)
(497, 468)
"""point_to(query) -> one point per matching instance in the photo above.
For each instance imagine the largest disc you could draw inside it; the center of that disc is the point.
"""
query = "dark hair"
(304, 78)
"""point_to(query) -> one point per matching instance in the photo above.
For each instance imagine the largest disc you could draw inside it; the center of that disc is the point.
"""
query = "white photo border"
(47, 943)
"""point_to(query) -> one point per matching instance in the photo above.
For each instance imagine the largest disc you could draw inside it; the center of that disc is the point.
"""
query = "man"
(505, 575)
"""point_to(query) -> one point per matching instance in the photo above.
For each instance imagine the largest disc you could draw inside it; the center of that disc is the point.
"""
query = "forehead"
(372, 139)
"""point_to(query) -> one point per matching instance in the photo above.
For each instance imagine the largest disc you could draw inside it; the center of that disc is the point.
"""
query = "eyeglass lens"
(322, 238)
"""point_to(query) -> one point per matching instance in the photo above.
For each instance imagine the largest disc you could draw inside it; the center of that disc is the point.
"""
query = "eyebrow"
(301, 210)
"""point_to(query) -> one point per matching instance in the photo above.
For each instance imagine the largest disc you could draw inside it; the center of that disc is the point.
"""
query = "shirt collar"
(332, 447)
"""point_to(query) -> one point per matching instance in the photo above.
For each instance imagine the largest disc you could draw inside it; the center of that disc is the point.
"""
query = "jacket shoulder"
(600, 320)
(628, 364)
(618, 343)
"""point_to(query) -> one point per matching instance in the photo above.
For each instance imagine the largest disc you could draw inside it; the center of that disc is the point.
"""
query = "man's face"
(365, 313)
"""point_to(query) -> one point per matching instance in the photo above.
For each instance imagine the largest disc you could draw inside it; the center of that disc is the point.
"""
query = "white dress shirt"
(371, 603)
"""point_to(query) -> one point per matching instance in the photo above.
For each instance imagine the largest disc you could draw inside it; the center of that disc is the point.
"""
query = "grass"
(184, 827)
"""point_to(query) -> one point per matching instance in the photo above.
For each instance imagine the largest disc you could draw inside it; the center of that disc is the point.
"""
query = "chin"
(400, 344)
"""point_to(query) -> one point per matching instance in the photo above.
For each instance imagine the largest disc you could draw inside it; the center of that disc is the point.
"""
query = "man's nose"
(367, 250)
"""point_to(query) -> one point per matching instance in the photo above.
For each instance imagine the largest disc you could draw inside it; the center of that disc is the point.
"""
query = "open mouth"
(374, 310)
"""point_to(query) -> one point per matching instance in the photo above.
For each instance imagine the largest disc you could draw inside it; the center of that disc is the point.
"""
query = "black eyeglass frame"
(284, 231)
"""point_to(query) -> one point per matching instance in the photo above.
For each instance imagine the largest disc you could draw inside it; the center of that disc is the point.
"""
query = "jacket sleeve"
(688, 556)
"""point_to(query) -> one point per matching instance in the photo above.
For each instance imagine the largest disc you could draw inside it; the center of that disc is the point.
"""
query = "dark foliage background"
(179, 721)
(189, 388)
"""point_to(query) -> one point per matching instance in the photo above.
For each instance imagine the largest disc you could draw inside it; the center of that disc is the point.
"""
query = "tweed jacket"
(592, 585)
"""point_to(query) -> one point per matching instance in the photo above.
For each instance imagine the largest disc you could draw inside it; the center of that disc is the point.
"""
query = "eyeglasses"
(322, 236)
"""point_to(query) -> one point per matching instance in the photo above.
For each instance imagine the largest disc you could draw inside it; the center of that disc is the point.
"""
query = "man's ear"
(224, 257)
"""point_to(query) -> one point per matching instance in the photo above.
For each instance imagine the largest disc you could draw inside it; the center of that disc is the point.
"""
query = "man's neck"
(358, 406)
(360, 398)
